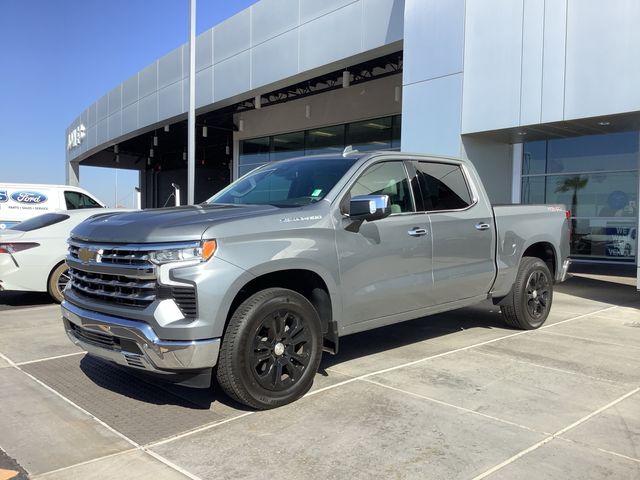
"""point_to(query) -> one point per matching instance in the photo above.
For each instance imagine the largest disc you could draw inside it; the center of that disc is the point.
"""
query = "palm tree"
(573, 184)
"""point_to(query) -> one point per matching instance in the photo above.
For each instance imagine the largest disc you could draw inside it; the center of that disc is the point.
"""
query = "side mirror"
(369, 207)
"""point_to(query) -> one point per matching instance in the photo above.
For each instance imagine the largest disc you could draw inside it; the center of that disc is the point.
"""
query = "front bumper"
(134, 344)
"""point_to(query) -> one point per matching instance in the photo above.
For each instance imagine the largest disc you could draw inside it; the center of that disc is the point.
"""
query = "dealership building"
(543, 96)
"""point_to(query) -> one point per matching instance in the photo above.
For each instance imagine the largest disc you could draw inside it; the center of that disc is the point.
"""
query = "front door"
(385, 265)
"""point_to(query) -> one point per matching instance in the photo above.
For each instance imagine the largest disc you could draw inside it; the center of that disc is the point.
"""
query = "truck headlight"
(202, 252)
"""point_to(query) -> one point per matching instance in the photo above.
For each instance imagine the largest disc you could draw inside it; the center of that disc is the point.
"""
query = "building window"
(596, 177)
(375, 134)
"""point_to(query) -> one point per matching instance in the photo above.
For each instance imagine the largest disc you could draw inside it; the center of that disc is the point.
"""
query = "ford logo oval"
(28, 197)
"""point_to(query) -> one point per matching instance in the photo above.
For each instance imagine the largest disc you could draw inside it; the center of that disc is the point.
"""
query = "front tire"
(271, 349)
(57, 281)
(528, 304)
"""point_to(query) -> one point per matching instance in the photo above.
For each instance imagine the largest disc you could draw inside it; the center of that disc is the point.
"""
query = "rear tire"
(271, 349)
(528, 304)
(57, 281)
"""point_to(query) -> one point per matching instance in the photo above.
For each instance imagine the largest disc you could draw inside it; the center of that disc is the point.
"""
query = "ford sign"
(29, 197)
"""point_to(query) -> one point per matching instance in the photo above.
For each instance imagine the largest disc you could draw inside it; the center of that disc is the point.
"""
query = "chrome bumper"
(135, 344)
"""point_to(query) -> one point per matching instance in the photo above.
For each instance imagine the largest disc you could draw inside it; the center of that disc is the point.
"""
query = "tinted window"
(76, 200)
(290, 183)
(40, 221)
(443, 186)
(386, 178)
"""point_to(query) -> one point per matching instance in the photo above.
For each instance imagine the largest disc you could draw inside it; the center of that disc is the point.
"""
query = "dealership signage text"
(76, 136)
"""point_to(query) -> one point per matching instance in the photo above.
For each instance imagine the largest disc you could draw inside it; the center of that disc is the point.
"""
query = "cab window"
(386, 178)
(442, 187)
(77, 200)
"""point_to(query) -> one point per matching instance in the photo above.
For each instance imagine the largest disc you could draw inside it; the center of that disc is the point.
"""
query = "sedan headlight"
(202, 253)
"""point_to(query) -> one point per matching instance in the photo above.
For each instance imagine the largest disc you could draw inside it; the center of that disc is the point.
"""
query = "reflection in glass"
(325, 140)
(596, 177)
(288, 146)
(370, 135)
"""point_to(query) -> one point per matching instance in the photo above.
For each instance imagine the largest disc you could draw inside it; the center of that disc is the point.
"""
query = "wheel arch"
(309, 283)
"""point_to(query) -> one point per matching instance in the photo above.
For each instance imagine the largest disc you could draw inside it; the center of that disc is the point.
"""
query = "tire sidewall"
(280, 299)
(532, 266)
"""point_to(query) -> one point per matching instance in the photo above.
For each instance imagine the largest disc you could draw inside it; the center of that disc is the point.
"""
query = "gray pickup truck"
(255, 283)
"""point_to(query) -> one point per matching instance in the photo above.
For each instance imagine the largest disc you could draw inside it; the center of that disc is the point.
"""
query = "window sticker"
(317, 192)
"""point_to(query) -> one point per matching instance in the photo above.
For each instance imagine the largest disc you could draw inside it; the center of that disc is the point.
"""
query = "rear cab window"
(440, 187)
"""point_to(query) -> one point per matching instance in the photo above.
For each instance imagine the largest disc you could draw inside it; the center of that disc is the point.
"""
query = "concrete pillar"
(72, 174)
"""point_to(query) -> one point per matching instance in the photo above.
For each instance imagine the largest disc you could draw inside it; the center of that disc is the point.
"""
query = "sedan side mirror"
(369, 207)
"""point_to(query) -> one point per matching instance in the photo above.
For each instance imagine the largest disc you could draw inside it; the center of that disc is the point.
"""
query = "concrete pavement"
(457, 395)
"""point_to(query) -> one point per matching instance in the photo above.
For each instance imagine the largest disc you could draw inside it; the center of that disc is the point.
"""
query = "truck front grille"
(119, 289)
(96, 338)
(115, 255)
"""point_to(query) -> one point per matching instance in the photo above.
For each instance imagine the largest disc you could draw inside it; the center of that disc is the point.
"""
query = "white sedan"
(32, 253)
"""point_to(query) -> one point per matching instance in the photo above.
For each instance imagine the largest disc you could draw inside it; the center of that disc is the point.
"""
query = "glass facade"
(375, 134)
(596, 177)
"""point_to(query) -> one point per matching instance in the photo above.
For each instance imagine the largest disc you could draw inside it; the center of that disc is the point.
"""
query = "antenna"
(348, 150)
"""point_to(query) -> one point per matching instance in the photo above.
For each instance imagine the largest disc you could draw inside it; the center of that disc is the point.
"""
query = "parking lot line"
(50, 358)
(555, 369)
(461, 349)
(367, 375)
(546, 440)
(637, 460)
(86, 462)
(104, 424)
(445, 404)
(592, 340)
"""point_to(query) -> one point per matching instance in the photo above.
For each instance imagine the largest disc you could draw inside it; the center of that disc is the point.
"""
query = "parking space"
(457, 395)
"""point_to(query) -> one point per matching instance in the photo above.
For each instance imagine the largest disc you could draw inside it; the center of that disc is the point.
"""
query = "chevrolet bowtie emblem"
(85, 255)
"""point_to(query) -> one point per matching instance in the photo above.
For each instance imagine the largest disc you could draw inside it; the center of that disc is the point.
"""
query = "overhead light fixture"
(116, 150)
(241, 125)
(205, 131)
(227, 150)
(307, 111)
(151, 152)
(346, 79)
(396, 94)
(117, 158)
(604, 123)
(257, 102)
(320, 133)
(148, 161)
(521, 133)
(166, 128)
(155, 140)
(377, 126)
(184, 155)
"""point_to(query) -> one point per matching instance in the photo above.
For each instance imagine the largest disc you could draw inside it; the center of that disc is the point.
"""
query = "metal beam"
(191, 131)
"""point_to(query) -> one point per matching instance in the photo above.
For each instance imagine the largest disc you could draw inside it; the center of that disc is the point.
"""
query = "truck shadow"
(400, 335)
(10, 299)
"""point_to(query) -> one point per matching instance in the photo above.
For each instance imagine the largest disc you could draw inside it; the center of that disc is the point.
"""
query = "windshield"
(40, 221)
(290, 183)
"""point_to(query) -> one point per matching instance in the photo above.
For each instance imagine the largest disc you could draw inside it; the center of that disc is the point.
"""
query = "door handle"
(483, 226)
(417, 232)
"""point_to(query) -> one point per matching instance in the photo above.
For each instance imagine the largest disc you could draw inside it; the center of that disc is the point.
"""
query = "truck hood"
(176, 224)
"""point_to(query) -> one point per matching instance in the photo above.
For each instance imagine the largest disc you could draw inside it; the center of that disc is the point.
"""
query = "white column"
(191, 130)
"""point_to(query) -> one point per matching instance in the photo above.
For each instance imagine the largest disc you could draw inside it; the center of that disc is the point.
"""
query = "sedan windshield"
(289, 183)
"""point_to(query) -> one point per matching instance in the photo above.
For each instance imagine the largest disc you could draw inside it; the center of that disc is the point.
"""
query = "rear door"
(462, 230)
(385, 265)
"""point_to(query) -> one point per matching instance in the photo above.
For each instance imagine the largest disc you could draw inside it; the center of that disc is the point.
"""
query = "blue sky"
(57, 57)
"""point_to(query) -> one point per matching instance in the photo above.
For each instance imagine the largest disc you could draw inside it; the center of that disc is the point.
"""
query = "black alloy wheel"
(271, 349)
(537, 294)
(281, 350)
